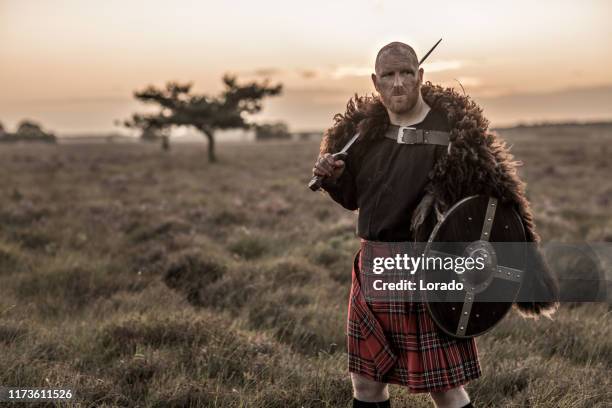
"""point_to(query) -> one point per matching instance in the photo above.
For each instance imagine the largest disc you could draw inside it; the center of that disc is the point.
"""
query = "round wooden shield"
(483, 229)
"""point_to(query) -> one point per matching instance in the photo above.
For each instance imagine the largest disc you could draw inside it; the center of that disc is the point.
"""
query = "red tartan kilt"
(410, 350)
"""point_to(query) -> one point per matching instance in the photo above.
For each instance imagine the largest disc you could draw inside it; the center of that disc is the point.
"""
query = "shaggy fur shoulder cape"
(477, 162)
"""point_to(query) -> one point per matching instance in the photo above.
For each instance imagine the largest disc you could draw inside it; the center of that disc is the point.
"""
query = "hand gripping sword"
(315, 182)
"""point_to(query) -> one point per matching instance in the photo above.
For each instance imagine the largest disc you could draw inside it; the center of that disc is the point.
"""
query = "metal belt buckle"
(407, 135)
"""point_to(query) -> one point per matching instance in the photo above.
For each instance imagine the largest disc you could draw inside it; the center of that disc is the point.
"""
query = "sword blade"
(348, 145)
(430, 51)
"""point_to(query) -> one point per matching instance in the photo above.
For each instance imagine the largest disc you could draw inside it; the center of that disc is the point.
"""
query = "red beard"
(402, 104)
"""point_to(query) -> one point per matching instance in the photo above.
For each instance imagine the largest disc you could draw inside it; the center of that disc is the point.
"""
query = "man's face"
(398, 80)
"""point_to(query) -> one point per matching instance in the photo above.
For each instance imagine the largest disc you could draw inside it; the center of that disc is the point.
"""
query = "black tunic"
(386, 181)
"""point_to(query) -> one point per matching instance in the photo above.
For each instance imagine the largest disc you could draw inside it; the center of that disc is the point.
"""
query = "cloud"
(348, 71)
(440, 66)
(68, 101)
(308, 73)
(469, 81)
(593, 103)
(266, 72)
(352, 70)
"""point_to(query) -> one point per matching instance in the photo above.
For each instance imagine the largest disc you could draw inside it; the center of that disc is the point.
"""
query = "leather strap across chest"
(410, 135)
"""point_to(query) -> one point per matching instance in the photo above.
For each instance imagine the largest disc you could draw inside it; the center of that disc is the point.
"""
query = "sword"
(315, 182)
(430, 51)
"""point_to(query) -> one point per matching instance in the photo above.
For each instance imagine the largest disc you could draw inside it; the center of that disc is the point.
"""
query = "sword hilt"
(316, 181)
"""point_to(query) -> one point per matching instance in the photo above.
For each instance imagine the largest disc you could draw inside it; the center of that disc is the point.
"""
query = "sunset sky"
(72, 65)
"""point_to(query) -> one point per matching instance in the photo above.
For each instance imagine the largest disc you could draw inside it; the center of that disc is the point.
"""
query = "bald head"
(398, 49)
(398, 77)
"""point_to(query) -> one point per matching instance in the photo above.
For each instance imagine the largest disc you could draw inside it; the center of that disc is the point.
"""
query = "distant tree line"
(272, 131)
(179, 106)
(544, 124)
(27, 131)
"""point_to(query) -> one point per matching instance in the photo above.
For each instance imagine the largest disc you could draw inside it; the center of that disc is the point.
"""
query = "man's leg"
(453, 398)
(366, 390)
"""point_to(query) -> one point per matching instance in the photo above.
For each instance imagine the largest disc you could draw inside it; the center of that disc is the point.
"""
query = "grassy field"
(143, 278)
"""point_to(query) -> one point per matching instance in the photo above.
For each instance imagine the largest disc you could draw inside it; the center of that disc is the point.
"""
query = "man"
(401, 190)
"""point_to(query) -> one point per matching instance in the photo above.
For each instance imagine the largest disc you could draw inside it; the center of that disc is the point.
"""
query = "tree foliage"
(27, 131)
(180, 107)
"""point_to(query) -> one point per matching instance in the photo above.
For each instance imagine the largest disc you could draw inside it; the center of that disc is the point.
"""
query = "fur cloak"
(477, 162)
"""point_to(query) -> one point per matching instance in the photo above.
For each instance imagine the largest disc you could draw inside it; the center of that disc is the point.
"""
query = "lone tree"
(179, 107)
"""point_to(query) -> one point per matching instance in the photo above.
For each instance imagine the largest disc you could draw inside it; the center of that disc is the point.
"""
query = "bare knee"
(367, 390)
(453, 398)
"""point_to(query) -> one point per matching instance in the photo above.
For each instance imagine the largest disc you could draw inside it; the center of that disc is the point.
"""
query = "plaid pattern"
(398, 342)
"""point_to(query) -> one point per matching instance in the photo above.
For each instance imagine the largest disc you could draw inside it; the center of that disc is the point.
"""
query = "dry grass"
(140, 278)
